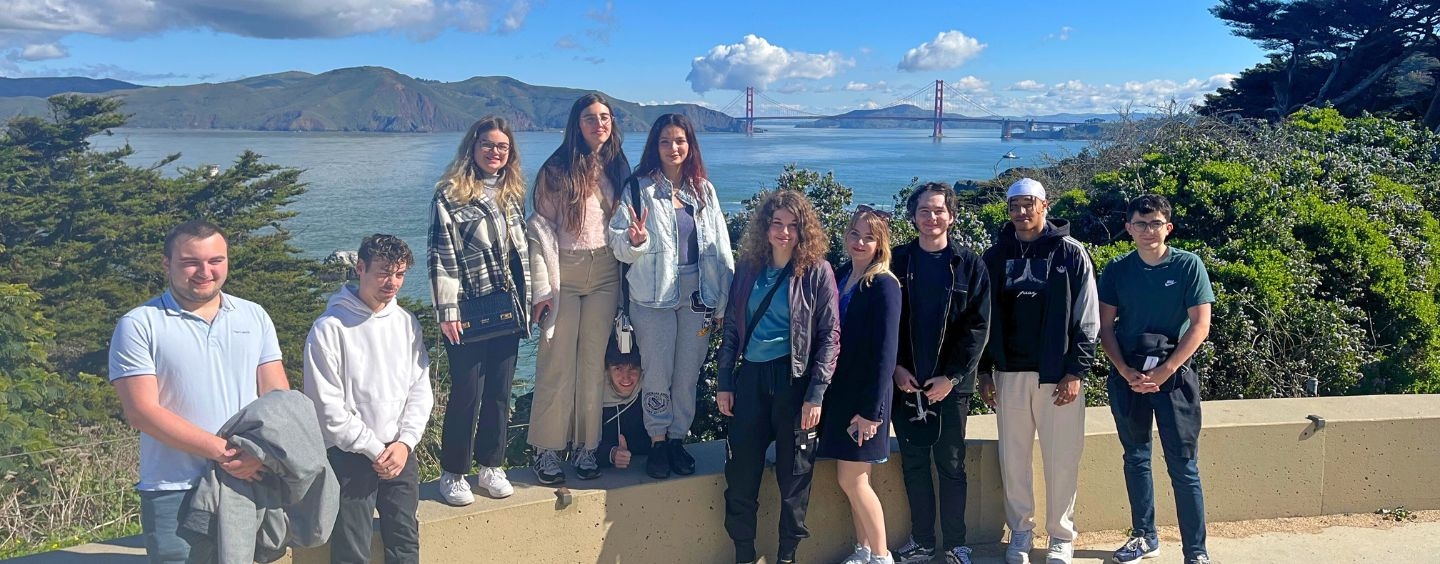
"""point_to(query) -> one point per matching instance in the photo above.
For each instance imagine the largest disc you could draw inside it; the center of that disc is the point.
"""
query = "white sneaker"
(494, 482)
(455, 489)
(887, 559)
(860, 556)
(1019, 550)
(1061, 552)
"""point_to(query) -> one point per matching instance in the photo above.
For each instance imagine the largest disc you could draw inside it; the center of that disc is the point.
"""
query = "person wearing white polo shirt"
(183, 363)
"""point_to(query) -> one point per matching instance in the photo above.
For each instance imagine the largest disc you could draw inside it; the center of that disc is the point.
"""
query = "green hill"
(363, 99)
(52, 85)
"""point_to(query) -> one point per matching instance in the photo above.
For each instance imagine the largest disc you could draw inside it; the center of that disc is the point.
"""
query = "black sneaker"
(547, 467)
(658, 465)
(585, 466)
(786, 554)
(680, 460)
(913, 553)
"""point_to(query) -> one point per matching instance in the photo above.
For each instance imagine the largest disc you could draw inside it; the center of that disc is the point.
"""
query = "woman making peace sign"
(669, 227)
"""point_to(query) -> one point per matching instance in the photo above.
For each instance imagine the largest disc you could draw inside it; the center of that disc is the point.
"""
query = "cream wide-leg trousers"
(1024, 408)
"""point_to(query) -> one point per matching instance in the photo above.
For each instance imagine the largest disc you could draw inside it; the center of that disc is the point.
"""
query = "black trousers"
(480, 378)
(948, 457)
(767, 408)
(361, 493)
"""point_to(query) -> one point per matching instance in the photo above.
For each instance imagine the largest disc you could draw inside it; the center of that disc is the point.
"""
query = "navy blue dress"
(863, 382)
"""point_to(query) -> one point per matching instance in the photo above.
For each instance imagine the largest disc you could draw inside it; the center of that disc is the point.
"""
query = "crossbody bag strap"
(763, 307)
(632, 185)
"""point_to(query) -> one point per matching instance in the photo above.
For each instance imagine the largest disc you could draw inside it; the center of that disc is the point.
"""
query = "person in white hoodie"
(367, 370)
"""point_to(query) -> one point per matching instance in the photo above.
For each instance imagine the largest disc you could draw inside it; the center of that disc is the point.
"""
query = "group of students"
(895, 335)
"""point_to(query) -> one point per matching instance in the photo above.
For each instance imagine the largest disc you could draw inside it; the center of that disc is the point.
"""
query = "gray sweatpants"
(671, 354)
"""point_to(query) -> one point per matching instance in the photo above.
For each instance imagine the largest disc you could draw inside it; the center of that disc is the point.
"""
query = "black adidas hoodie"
(1045, 315)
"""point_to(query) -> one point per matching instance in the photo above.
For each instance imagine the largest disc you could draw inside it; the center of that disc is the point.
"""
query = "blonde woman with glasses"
(477, 248)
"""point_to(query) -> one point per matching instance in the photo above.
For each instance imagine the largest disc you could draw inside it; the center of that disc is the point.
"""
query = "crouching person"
(368, 373)
(623, 433)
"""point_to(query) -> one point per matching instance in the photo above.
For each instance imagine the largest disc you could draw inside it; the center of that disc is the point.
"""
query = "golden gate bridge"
(919, 98)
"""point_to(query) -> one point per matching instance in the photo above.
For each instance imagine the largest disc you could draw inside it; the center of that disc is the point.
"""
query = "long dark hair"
(571, 174)
(692, 171)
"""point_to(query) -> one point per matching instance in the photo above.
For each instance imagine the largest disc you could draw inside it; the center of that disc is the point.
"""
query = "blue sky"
(1012, 57)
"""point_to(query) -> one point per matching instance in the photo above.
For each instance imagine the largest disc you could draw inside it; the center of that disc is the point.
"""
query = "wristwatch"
(954, 382)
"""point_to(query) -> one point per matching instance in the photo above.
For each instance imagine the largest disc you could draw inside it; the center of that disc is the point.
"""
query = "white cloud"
(515, 17)
(756, 62)
(32, 23)
(606, 23)
(970, 84)
(1074, 96)
(1062, 35)
(43, 51)
(792, 88)
(701, 103)
(865, 87)
(948, 50)
(1027, 85)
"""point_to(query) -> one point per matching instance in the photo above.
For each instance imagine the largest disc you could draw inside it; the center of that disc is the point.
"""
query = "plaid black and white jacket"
(462, 264)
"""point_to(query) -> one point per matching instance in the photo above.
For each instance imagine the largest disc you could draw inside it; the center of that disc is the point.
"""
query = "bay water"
(358, 184)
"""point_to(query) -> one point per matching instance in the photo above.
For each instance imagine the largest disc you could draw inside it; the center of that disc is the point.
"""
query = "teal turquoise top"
(772, 335)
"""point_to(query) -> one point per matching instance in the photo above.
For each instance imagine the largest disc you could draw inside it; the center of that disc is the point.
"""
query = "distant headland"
(373, 99)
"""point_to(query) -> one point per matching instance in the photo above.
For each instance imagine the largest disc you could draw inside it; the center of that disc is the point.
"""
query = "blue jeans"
(1177, 416)
(159, 518)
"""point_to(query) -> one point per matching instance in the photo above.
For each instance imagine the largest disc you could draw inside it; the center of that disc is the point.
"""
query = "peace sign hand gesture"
(637, 233)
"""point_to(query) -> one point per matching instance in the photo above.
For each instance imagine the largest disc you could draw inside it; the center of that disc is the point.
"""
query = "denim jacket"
(654, 263)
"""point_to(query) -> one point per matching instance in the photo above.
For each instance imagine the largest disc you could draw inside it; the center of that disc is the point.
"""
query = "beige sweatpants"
(1025, 407)
(570, 367)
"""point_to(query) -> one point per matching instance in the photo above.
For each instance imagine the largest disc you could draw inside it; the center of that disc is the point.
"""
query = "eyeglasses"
(1149, 226)
(498, 148)
(596, 119)
(862, 208)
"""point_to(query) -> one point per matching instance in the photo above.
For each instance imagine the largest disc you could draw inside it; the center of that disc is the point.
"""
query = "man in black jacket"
(1045, 320)
(944, 320)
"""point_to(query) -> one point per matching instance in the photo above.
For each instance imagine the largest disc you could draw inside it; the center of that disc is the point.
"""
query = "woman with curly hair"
(577, 286)
(776, 359)
(477, 247)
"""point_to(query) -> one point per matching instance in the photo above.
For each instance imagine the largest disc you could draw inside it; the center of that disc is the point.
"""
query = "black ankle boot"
(658, 466)
(680, 460)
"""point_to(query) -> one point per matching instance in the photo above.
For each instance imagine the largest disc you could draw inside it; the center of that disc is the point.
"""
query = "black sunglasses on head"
(862, 208)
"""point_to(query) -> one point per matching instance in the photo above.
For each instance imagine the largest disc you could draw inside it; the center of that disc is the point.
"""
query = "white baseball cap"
(1026, 187)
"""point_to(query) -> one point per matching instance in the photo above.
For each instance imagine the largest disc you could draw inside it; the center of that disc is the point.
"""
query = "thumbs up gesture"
(621, 455)
(637, 233)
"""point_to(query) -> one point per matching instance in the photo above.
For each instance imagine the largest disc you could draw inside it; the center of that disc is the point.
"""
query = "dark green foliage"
(1317, 234)
(1356, 55)
(84, 230)
(81, 237)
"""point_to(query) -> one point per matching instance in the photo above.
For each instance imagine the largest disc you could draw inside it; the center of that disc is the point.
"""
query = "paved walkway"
(1417, 542)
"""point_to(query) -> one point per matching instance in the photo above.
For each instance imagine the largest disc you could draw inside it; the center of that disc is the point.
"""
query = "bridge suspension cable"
(915, 98)
(731, 105)
(957, 92)
(792, 108)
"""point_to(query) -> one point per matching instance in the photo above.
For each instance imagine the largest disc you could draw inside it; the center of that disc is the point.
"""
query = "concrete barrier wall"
(1259, 459)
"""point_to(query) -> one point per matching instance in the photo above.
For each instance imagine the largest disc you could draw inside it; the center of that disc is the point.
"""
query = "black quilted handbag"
(496, 314)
